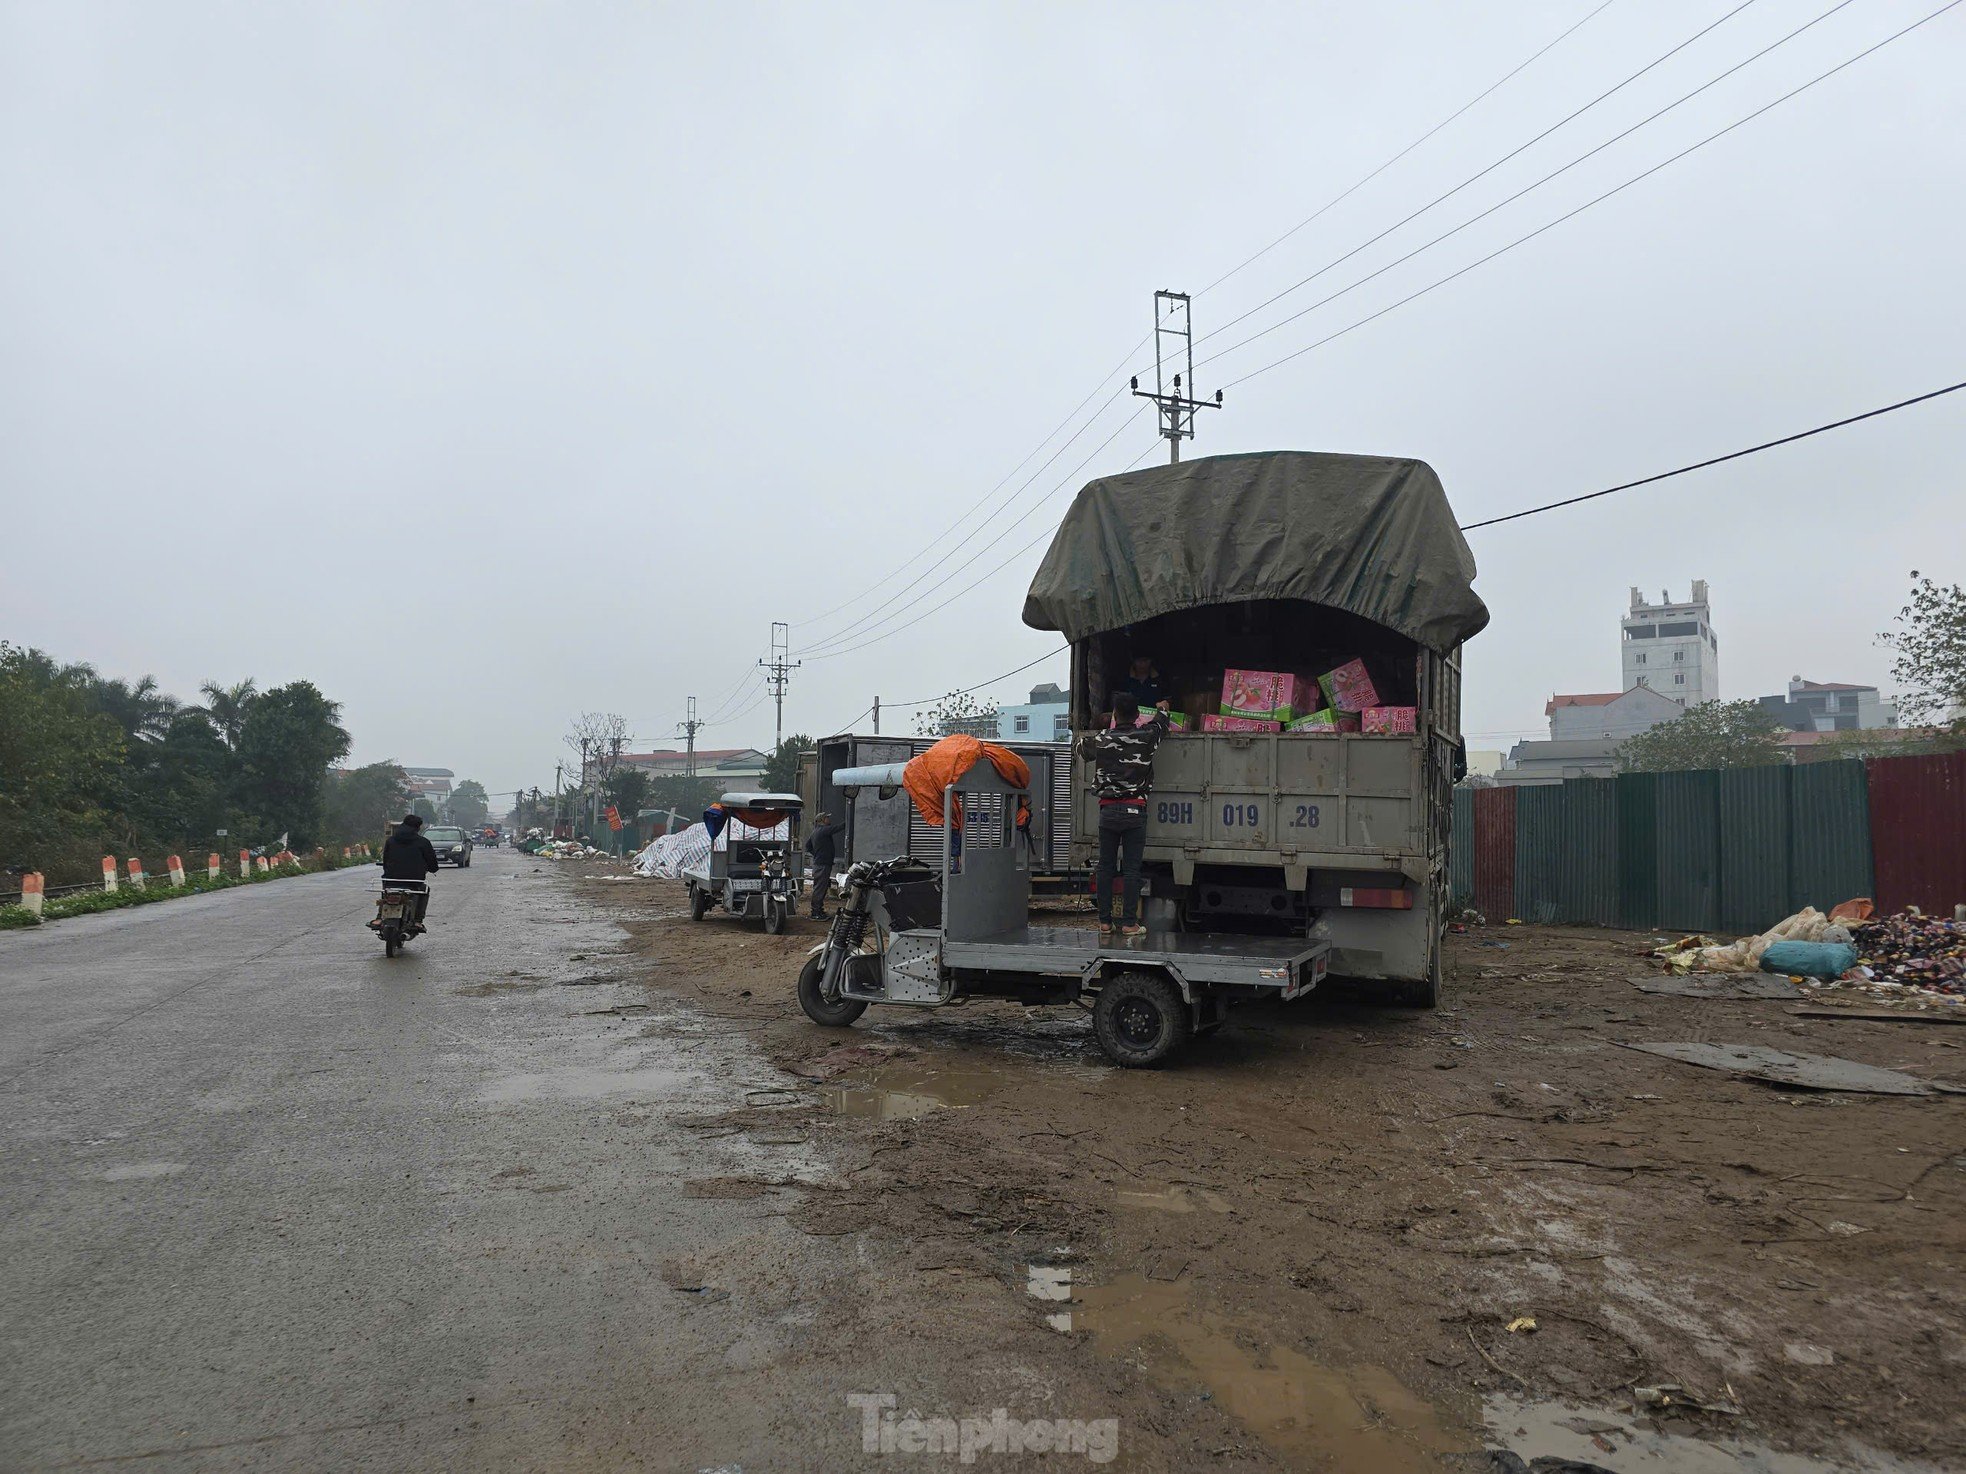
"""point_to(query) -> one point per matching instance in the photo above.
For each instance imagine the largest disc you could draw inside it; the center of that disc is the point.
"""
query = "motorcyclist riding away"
(408, 855)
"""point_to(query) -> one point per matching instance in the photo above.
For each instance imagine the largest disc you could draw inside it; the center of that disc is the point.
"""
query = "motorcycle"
(878, 896)
(395, 913)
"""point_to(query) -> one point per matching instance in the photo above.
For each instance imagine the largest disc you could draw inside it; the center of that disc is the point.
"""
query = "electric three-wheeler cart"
(908, 935)
(754, 869)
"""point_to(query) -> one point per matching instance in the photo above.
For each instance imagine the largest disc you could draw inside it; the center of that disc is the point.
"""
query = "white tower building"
(1671, 648)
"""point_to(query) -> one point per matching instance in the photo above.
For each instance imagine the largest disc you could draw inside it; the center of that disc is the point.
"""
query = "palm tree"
(227, 706)
(141, 710)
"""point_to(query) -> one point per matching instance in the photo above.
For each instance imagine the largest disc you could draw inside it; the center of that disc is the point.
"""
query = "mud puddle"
(1621, 1443)
(1311, 1415)
(1177, 1197)
(901, 1092)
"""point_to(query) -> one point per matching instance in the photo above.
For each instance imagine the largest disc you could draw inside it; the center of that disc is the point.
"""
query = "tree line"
(93, 765)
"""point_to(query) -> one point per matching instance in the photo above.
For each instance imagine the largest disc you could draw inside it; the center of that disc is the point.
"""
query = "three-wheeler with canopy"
(911, 934)
(755, 866)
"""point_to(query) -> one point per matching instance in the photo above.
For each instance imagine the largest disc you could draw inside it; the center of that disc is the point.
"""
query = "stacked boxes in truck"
(1287, 562)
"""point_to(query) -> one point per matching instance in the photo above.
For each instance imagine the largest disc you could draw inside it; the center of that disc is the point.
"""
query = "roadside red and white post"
(136, 872)
(109, 874)
(33, 891)
(264, 868)
(245, 865)
(175, 864)
(212, 866)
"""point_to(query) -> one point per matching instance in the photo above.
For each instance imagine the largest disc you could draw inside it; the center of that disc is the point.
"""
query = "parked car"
(453, 845)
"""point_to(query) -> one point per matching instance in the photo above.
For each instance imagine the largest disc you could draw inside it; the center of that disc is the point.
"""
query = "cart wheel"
(774, 917)
(1140, 1019)
(699, 902)
(835, 1015)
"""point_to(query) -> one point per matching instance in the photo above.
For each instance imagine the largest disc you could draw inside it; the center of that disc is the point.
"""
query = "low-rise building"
(1594, 714)
(1830, 706)
(1533, 763)
(431, 783)
(1046, 717)
(732, 767)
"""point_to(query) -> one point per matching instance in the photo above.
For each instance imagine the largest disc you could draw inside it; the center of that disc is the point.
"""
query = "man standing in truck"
(1123, 776)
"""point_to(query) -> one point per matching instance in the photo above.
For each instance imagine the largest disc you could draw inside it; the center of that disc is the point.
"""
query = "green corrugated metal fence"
(1587, 878)
(1829, 803)
(1539, 852)
(1686, 808)
(1460, 850)
(1754, 856)
(1725, 852)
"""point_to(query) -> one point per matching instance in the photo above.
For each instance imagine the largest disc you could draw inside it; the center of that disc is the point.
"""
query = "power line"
(1735, 455)
(905, 563)
(1120, 368)
(1480, 173)
(1526, 189)
(873, 616)
(1019, 670)
(828, 654)
(1339, 199)
(1598, 200)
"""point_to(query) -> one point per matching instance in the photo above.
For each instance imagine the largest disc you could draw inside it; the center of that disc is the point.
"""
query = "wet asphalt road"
(273, 1201)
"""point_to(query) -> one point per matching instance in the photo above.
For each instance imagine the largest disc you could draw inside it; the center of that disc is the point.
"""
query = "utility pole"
(779, 673)
(558, 769)
(877, 716)
(1177, 413)
(690, 727)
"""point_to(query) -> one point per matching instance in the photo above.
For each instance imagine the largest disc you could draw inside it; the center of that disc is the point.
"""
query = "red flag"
(614, 817)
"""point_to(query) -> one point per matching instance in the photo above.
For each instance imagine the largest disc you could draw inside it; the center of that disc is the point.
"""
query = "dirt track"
(1304, 1243)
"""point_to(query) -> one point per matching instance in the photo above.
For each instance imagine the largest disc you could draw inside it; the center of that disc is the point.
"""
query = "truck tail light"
(1392, 899)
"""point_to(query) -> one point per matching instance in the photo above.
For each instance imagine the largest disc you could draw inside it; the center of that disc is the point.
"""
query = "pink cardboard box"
(1239, 724)
(1389, 720)
(1261, 693)
(1349, 688)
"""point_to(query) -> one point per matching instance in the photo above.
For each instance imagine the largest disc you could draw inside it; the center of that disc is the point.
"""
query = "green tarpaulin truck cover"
(1369, 534)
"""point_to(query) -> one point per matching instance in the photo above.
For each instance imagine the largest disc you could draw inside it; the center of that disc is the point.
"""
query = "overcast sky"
(488, 363)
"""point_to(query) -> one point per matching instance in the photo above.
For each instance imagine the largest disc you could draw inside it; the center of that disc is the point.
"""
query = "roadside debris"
(1801, 1071)
(1907, 957)
(668, 855)
(1913, 950)
(1703, 954)
(1672, 1395)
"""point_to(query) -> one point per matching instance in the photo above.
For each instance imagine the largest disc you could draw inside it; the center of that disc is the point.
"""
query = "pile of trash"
(1913, 950)
(668, 855)
(1906, 956)
(1703, 954)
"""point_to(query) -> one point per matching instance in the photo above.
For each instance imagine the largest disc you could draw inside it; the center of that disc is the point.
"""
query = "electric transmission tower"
(1173, 320)
(778, 674)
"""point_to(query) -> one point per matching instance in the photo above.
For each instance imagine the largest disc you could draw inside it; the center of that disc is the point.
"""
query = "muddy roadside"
(1325, 1221)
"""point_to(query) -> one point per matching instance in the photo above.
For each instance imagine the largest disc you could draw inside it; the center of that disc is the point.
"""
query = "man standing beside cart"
(1123, 776)
(822, 846)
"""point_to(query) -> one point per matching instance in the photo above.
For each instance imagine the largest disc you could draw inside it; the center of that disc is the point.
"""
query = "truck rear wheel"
(1418, 992)
(699, 902)
(1140, 1019)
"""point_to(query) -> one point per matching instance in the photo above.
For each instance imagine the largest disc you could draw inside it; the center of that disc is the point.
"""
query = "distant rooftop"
(430, 772)
(1582, 698)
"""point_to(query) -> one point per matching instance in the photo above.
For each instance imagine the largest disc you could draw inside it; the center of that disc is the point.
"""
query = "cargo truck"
(1292, 562)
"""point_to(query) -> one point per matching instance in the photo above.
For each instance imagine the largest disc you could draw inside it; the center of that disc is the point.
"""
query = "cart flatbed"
(1289, 965)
